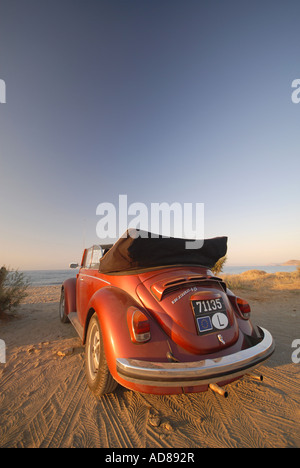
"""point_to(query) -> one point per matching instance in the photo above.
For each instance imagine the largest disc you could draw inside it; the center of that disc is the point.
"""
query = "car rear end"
(209, 337)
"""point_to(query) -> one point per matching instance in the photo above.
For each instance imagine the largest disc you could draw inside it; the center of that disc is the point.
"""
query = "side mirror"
(73, 265)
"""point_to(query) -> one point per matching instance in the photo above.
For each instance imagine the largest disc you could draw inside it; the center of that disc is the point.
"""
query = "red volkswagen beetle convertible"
(155, 319)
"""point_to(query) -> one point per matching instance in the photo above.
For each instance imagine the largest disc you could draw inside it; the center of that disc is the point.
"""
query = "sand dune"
(44, 400)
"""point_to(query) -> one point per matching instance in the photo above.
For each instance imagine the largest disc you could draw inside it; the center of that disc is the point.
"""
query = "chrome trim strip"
(165, 374)
(94, 277)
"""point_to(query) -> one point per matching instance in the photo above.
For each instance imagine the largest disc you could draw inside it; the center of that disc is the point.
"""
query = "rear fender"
(69, 287)
(111, 305)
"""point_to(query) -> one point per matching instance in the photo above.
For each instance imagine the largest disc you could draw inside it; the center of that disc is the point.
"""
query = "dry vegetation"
(13, 289)
(260, 281)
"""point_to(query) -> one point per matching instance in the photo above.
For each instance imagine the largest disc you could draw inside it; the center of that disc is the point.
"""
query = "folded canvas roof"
(149, 250)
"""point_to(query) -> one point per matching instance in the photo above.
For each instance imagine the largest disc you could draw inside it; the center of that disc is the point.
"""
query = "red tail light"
(243, 307)
(138, 325)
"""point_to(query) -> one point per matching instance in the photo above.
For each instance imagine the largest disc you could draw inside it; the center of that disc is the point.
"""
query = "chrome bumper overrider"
(164, 374)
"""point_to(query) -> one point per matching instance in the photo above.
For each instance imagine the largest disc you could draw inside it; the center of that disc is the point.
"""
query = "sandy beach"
(44, 400)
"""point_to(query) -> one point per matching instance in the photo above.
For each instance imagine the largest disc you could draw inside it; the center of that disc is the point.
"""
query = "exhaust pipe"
(215, 388)
(258, 377)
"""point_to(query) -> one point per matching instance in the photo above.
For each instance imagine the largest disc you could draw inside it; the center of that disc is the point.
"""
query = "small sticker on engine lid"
(184, 293)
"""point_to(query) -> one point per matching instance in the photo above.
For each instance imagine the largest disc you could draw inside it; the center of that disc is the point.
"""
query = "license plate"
(210, 315)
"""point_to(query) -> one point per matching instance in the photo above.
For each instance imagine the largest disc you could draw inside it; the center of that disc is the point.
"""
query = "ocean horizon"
(57, 277)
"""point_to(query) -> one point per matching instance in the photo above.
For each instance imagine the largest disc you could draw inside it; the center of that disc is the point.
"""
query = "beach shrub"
(218, 267)
(254, 273)
(13, 289)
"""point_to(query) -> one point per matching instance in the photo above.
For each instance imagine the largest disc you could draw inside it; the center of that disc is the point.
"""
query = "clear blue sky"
(162, 100)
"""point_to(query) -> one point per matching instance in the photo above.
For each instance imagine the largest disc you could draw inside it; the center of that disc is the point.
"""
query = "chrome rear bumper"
(183, 374)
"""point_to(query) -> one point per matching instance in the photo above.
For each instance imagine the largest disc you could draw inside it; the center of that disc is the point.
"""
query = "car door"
(83, 285)
(87, 282)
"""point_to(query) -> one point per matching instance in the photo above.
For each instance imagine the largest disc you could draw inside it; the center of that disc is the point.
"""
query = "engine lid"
(194, 311)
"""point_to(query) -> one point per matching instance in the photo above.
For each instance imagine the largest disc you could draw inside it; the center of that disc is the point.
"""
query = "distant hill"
(291, 262)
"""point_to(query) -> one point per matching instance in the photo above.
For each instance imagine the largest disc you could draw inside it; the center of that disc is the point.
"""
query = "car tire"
(62, 313)
(99, 378)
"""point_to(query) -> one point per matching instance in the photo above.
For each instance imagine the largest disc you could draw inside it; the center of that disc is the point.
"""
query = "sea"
(48, 277)
(57, 277)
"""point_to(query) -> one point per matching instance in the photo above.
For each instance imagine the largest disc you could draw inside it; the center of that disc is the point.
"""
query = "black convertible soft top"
(146, 251)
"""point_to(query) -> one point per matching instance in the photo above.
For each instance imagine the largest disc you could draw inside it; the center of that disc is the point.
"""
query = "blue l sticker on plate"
(204, 324)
